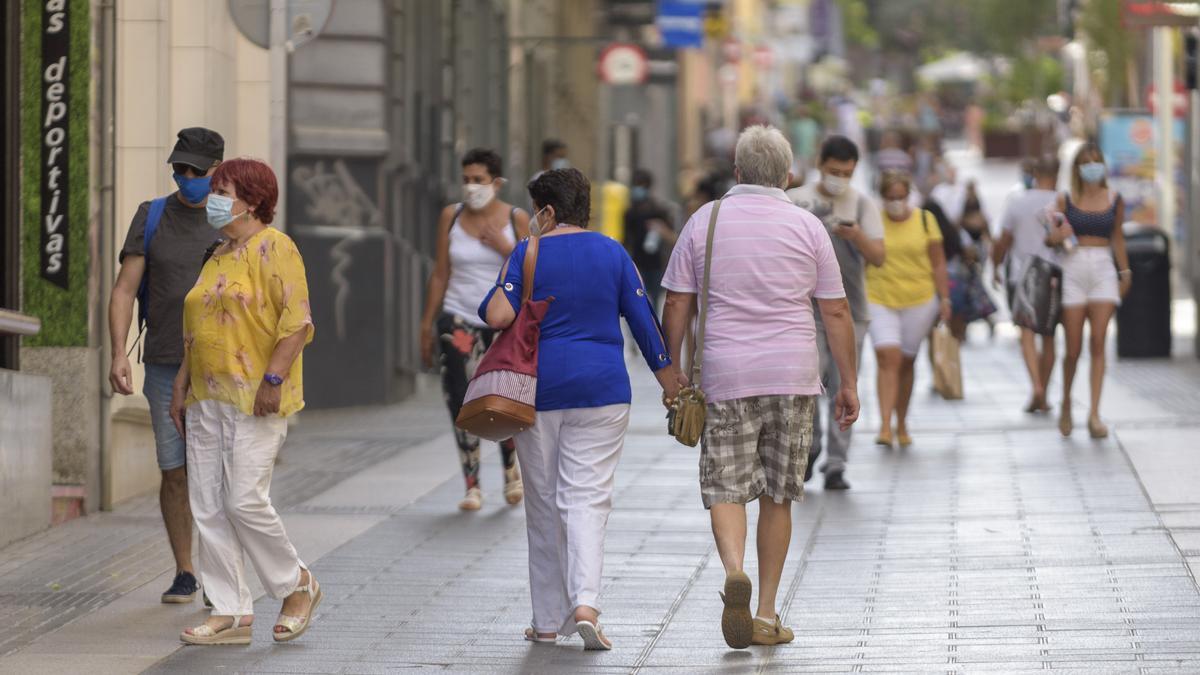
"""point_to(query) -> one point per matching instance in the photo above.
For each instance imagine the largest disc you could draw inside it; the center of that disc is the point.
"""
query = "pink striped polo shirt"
(771, 258)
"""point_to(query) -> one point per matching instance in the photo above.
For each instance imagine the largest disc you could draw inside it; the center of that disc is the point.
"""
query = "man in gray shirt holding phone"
(856, 229)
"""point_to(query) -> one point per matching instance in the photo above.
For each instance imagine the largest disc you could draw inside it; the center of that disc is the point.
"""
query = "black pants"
(462, 346)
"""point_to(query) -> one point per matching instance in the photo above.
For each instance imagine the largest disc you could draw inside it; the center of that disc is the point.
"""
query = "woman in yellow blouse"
(245, 323)
(905, 296)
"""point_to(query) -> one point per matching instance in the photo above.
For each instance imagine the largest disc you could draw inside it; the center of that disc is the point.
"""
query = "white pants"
(904, 327)
(230, 458)
(568, 459)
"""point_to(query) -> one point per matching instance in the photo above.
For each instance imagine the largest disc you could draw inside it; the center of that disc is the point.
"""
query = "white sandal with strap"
(204, 634)
(296, 625)
(531, 635)
(593, 636)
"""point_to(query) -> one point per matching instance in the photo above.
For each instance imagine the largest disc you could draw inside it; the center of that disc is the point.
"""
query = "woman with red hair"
(245, 323)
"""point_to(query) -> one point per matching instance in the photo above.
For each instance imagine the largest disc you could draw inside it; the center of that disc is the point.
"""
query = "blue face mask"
(1092, 172)
(219, 211)
(637, 193)
(1027, 180)
(194, 190)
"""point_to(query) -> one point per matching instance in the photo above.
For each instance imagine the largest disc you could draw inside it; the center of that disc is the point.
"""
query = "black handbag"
(1037, 298)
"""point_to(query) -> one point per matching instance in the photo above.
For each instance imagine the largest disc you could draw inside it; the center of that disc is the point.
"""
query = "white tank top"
(474, 268)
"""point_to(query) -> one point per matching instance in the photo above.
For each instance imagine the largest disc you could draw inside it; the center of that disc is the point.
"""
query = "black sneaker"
(834, 480)
(183, 590)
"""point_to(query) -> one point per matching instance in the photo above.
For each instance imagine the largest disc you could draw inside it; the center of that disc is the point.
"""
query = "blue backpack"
(143, 295)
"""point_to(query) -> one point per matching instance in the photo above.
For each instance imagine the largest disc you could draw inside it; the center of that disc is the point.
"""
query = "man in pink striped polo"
(760, 364)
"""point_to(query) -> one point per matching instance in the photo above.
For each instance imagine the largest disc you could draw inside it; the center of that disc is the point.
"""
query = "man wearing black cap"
(160, 262)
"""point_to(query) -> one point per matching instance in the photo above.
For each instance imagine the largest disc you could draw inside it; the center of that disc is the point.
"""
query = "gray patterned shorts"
(756, 446)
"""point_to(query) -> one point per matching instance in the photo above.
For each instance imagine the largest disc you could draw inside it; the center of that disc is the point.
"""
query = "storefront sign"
(55, 224)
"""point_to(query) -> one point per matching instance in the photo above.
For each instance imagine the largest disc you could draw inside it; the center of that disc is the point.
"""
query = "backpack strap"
(150, 228)
(925, 221)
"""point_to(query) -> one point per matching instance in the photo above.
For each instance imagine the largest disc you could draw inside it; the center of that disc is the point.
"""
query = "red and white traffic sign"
(623, 63)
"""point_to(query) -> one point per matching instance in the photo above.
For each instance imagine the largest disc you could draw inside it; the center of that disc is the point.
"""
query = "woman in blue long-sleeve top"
(570, 454)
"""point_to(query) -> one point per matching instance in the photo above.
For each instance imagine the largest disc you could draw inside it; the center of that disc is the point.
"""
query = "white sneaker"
(473, 501)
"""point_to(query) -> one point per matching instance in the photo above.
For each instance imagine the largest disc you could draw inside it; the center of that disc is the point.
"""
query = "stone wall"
(25, 454)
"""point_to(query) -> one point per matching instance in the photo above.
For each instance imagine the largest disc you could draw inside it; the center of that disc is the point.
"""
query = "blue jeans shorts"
(160, 380)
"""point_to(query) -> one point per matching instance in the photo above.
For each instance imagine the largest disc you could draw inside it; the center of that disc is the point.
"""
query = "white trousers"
(568, 459)
(230, 458)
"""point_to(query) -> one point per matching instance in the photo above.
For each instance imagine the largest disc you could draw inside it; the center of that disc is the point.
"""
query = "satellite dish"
(305, 20)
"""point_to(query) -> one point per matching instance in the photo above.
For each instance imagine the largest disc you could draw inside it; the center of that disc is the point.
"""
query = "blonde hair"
(763, 156)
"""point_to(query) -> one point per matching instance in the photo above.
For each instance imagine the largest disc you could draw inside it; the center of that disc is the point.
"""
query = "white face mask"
(478, 196)
(535, 227)
(834, 185)
(896, 208)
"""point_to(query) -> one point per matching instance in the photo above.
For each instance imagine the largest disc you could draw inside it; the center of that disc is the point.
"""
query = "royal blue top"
(581, 353)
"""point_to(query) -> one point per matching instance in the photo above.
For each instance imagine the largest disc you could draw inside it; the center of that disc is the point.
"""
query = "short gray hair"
(763, 156)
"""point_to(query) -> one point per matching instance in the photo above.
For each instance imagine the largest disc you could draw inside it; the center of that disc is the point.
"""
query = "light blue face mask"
(219, 211)
(637, 193)
(1092, 172)
(560, 163)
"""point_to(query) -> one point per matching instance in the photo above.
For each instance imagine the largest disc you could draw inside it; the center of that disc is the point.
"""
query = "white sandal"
(593, 636)
(531, 635)
(204, 634)
(296, 625)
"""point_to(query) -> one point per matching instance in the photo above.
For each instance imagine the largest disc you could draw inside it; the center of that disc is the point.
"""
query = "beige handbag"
(685, 421)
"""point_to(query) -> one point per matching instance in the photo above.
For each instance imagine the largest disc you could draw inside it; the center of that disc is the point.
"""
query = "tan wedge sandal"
(296, 625)
(235, 634)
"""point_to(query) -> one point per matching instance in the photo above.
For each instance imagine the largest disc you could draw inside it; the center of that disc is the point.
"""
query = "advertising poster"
(1128, 143)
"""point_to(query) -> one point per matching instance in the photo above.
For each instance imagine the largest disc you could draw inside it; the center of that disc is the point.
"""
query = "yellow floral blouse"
(243, 304)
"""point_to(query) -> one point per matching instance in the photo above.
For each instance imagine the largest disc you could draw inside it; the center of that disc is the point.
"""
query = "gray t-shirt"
(850, 205)
(176, 255)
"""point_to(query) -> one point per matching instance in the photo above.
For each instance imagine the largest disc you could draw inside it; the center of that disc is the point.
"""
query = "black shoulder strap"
(211, 249)
(925, 220)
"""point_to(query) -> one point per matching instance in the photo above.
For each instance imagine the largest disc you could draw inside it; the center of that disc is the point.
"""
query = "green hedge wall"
(64, 313)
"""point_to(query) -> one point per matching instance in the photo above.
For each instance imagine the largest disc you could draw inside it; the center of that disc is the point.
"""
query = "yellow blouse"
(243, 304)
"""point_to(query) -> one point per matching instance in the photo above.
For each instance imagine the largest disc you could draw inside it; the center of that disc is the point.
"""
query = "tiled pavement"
(991, 545)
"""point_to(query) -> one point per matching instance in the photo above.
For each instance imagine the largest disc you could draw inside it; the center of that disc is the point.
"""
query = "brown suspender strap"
(703, 298)
(527, 270)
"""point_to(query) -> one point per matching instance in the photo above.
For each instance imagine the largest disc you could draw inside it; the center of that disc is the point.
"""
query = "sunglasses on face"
(183, 169)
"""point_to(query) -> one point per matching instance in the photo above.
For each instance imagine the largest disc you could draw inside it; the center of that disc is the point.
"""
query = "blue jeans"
(169, 445)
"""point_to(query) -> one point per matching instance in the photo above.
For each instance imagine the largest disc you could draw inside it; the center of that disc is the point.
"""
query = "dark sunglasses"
(183, 169)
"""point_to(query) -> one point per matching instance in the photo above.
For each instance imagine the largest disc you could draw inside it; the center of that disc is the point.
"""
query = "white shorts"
(1089, 275)
(905, 327)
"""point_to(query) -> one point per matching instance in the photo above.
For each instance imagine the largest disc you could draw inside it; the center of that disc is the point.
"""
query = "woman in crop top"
(475, 238)
(1088, 229)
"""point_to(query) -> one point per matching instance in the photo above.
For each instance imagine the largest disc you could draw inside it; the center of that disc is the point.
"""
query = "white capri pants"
(1089, 275)
(568, 459)
(230, 458)
(904, 327)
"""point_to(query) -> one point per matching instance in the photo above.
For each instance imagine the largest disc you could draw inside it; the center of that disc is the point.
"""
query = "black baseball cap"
(198, 147)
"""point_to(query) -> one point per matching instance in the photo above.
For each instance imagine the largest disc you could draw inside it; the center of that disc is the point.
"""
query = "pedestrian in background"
(761, 365)
(475, 237)
(906, 295)
(245, 324)
(853, 222)
(160, 261)
(570, 454)
(1089, 231)
(969, 298)
(1023, 238)
(649, 232)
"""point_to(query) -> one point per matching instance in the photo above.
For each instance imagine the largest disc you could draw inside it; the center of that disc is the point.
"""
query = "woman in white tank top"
(475, 238)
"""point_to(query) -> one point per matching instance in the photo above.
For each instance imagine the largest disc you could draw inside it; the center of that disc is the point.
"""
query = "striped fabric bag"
(500, 397)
